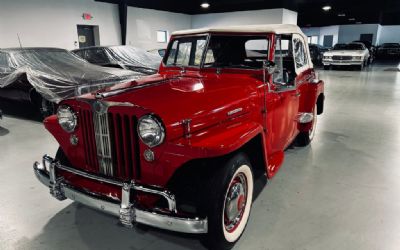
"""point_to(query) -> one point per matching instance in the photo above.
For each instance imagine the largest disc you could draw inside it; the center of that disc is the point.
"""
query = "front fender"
(222, 140)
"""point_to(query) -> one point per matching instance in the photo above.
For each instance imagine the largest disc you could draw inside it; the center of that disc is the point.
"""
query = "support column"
(123, 19)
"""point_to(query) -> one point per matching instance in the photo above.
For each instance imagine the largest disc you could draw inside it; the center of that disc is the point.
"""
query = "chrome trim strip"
(126, 211)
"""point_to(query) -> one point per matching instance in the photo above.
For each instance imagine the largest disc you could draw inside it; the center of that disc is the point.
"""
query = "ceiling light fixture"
(341, 14)
(352, 19)
(358, 22)
(205, 5)
(327, 8)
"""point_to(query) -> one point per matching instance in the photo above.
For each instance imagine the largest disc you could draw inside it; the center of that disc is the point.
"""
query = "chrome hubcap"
(235, 202)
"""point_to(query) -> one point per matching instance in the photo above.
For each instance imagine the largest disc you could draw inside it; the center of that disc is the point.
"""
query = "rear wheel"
(304, 138)
(228, 202)
(326, 67)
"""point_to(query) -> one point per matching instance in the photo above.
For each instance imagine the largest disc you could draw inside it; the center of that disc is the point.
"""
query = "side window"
(80, 53)
(285, 73)
(300, 55)
(96, 56)
(4, 60)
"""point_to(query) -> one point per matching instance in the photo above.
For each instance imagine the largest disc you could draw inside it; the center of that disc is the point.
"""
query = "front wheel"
(304, 138)
(326, 67)
(229, 202)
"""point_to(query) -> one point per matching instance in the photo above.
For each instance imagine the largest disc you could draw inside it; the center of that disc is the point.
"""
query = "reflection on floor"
(342, 192)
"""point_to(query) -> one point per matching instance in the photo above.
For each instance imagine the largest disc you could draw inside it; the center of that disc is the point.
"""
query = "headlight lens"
(327, 57)
(67, 118)
(151, 131)
(357, 57)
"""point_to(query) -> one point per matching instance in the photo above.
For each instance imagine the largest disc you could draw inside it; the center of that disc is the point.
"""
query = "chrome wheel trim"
(234, 235)
(235, 202)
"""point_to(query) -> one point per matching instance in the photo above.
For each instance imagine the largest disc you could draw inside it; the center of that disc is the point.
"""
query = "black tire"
(304, 138)
(327, 67)
(360, 67)
(61, 157)
(45, 107)
(220, 209)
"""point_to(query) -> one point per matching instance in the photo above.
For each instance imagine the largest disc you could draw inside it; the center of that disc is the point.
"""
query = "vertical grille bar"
(103, 143)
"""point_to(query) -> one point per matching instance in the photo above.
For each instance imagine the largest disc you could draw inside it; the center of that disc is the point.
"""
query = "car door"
(283, 100)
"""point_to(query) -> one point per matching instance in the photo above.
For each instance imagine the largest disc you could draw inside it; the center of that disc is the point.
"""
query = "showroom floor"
(342, 192)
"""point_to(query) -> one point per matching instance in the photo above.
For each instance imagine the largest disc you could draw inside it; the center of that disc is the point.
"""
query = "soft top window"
(299, 51)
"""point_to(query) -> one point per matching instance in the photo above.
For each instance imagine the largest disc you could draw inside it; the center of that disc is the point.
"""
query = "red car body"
(207, 113)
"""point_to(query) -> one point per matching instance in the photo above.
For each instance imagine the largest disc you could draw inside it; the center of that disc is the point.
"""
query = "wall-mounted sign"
(82, 39)
(87, 16)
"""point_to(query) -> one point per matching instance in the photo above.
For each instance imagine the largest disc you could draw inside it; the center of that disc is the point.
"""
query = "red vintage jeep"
(179, 150)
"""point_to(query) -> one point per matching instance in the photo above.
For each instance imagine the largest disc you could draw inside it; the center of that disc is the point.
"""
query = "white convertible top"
(265, 28)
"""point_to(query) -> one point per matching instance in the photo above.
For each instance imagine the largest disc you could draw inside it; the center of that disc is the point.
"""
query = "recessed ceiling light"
(341, 14)
(205, 5)
(327, 8)
(358, 22)
(352, 19)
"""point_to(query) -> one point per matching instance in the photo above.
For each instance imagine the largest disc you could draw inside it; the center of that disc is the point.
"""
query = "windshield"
(247, 52)
(350, 46)
(391, 45)
(339, 46)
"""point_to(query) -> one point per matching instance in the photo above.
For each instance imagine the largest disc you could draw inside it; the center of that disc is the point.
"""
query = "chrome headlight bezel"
(327, 57)
(357, 58)
(67, 121)
(158, 135)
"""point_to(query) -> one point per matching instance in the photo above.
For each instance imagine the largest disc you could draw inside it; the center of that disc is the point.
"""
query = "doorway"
(367, 37)
(328, 41)
(88, 35)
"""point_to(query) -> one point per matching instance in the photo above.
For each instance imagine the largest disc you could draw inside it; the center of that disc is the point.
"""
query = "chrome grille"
(342, 58)
(103, 143)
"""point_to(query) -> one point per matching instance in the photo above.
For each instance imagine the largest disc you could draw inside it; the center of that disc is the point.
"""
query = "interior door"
(367, 37)
(86, 36)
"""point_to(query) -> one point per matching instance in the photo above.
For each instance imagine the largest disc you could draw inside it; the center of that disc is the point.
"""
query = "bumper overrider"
(46, 173)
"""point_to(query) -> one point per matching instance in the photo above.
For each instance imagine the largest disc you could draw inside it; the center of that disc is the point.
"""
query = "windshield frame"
(266, 35)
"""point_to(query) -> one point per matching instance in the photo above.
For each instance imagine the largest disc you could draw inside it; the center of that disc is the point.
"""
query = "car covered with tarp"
(125, 57)
(45, 76)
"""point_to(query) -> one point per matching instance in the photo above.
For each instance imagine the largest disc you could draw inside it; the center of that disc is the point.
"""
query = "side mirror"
(269, 66)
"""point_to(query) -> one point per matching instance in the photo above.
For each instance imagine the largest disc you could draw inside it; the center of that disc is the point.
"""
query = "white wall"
(390, 34)
(327, 31)
(323, 31)
(50, 23)
(143, 25)
(269, 16)
(352, 32)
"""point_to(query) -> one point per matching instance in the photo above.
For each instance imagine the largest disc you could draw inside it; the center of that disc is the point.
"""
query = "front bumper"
(344, 63)
(46, 173)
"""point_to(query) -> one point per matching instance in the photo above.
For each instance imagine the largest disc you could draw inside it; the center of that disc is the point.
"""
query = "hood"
(344, 53)
(206, 101)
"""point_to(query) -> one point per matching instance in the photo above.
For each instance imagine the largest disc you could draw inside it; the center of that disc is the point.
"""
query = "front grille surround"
(110, 141)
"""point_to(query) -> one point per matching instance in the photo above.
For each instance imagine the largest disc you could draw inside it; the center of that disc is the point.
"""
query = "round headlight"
(151, 131)
(67, 118)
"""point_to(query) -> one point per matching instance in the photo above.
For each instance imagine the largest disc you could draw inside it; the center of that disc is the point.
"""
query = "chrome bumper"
(125, 209)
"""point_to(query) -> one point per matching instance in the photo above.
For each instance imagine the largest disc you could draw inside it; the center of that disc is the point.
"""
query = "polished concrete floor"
(342, 192)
